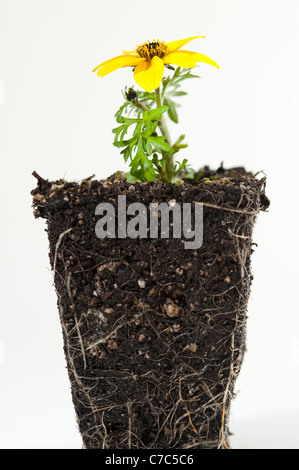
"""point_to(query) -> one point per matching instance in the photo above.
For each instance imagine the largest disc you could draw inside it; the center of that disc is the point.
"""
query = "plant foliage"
(141, 137)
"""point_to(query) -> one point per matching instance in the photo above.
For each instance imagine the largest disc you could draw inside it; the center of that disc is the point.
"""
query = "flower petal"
(181, 59)
(202, 58)
(197, 57)
(175, 45)
(116, 63)
(148, 74)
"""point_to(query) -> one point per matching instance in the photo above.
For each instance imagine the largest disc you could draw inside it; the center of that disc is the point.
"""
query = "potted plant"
(152, 273)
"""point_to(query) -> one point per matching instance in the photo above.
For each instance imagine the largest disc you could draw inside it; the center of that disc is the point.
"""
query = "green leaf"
(117, 132)
(146, 167)
(180, 93)
(148, 147)
(159, 144)
(155, 114)
(149, 128)
(119, 144)
(129, 121)
(137, 129)
(126, 152)
(182, 166)
(131, 178)
(172, 113)
(158, 163)
(177, 72)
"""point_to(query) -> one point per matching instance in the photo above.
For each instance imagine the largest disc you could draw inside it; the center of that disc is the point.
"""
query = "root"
(229, 209)
(61, 236)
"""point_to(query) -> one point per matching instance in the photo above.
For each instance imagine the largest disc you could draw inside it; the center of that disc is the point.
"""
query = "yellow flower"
(149, 59)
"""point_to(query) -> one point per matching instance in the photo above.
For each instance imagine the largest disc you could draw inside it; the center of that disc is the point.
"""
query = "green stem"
(169, 163)
(140, 105)
(162, 123)
(179, 140)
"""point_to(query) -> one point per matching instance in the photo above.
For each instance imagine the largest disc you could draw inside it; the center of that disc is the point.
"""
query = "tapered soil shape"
(154, 333)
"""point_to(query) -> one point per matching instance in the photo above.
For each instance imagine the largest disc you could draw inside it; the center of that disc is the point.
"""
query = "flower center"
(149, 49)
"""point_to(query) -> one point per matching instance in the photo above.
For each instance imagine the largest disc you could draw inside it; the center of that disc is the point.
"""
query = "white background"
(56, 118)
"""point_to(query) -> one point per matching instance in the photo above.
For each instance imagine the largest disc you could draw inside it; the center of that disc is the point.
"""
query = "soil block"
(154, 334)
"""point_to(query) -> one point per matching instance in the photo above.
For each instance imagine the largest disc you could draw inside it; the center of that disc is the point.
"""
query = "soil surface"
(154, 333)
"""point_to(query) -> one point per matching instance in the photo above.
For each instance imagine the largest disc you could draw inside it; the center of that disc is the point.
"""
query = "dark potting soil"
(154, 334)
